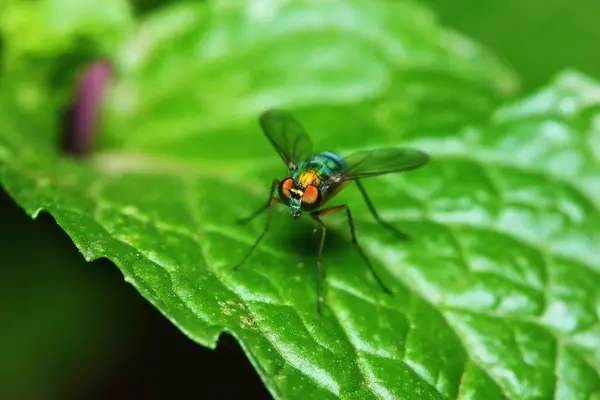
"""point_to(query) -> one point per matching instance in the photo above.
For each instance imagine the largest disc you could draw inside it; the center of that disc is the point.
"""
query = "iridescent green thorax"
(316, 169)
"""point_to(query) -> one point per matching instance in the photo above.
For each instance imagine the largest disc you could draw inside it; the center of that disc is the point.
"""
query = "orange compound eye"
(311, 195)
(286, 186)
(284, 190)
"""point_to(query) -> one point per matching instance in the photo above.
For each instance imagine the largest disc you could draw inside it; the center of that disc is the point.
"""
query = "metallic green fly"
(314, 179)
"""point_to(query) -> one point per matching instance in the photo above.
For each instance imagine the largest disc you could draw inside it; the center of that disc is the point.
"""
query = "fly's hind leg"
(315, 215)
(398, 233)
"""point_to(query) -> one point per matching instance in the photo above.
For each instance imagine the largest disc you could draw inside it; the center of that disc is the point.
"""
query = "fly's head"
(299, 198)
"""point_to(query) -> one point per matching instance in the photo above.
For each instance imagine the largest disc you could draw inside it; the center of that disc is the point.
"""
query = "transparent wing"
(368, 163)
(287, 136)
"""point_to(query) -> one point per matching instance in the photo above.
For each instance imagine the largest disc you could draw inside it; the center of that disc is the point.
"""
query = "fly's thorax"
(319, 170)
(331, 160)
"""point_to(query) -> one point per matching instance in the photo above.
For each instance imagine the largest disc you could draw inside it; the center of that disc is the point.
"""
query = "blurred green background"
(71, 329)
(538, 38)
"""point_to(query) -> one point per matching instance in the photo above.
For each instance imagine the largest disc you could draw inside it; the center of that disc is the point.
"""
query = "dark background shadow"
(76, 330)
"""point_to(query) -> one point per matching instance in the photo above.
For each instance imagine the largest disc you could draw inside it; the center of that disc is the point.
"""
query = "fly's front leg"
(256, 213)
(399, 234)
(268, 207)
(320, 270)
(345, 207)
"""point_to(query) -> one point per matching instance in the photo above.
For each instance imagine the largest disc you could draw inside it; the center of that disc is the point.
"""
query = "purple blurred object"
(82, 123)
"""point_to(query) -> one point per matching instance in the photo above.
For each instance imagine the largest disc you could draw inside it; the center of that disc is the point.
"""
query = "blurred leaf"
(537, 37)
(496, 296)
(147, 6)
(44, 43)
(195, 68)
(47, 27)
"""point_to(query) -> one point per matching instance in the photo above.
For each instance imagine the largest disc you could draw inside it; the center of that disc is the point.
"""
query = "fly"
(314, 179)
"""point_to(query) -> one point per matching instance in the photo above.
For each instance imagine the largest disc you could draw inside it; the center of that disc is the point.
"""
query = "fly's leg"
(399, 234)
(320, 270)
(331, 210)
(243, 221)
(268, 208)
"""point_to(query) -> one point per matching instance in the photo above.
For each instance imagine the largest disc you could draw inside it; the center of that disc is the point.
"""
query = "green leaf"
(537, 52)
(44, 28)
(44, 43)
(242, 59)
(496, 295)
